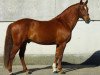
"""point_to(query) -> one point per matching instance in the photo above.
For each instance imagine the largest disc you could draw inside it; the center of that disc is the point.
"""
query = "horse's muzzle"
(88, 21)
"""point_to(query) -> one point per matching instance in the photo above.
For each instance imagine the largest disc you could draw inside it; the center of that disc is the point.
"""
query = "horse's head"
(83, 11)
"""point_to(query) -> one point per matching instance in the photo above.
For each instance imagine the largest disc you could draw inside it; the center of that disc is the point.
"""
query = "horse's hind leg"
(21, 55)
(12, 55)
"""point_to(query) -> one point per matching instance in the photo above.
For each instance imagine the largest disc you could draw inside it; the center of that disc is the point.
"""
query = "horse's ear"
(86, 2)
(81, 2)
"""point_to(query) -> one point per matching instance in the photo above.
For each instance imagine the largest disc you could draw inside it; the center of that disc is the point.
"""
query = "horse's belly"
(44, 42)
(42, 39)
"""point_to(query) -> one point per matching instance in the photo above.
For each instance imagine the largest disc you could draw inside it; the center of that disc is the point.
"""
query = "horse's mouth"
(88, 21)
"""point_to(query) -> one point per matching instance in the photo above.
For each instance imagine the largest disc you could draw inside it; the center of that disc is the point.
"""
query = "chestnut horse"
(56, 31)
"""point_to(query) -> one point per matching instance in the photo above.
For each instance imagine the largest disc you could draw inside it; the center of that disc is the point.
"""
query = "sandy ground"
(47, 70)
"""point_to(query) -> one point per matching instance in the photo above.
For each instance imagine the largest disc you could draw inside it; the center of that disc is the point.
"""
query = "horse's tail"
(8, 46)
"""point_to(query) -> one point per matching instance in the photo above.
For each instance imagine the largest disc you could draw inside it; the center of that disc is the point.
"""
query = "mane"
(67, 10)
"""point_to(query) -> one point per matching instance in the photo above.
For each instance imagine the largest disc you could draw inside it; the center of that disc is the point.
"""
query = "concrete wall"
(11, 10)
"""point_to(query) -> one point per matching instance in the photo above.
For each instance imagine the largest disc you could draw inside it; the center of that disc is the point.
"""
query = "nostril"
(89, 19)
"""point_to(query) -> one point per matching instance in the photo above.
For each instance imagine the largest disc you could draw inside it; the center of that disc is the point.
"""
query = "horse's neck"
(70, 16)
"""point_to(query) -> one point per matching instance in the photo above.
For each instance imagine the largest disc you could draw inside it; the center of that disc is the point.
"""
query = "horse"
(56, 31)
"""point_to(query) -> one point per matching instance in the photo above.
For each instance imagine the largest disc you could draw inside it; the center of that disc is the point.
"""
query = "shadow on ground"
(94, 61)
(67, 68)
(33, 69)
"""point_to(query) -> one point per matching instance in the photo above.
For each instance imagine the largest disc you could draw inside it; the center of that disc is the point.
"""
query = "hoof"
(12, 74)
(25, 70)
(29, 72)
(55, 72)
(62, 72)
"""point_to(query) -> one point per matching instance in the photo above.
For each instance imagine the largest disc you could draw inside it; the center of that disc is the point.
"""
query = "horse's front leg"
(58, 57)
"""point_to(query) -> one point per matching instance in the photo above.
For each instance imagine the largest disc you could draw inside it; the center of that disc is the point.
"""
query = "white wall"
(85, 39)
(11, 10)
